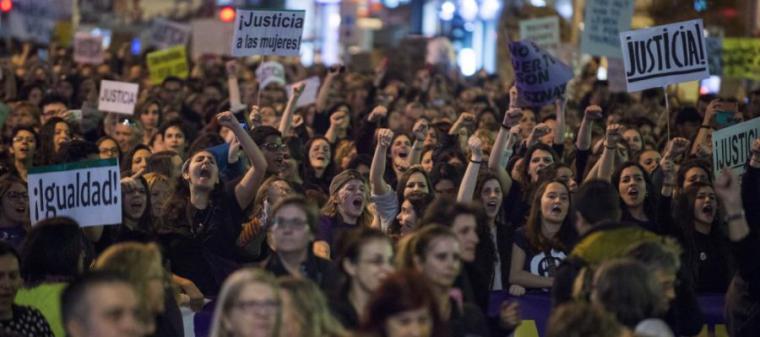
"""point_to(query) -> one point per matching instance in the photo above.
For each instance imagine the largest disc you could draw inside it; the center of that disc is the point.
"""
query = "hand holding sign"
(593, 112)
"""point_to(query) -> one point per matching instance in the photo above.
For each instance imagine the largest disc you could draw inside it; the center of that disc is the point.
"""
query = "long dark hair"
(308, 172)
(52, 251)
(145, 222)
(46, 148)
(126, 163)
(533, 231)
(348, 247)
(650, 201)
(405, 178)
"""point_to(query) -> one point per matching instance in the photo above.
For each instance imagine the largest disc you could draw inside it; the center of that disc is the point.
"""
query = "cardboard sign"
(210, 36)
(268, 32)
(603, 21)
(88, 48)
(541, 78)
(88, 192)
(119, 97)
(714, 47)
(544, 32)
(662, 55)
(165, 33)
(732, 145)
(616, 74)
(168, 62)
(741, 58)
(310, 91)
(270, 72)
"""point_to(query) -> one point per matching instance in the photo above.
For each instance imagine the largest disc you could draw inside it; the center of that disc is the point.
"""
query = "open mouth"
(708, 210)
(556, 209)
(403, 154)
(633, 192)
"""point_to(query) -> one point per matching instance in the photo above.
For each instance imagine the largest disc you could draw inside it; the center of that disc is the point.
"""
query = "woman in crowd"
(175, 137)
(53, 133)
(707, 255)
(638, 199)
(202, 219)
(305, 310)
(53, 255)
(253, 236)
(292, 227)
(14, 210)
(160, 189)
(346, 208)
(364, 258)
(403, 304)
(248, 305)
(318, 168)
(17, 320)
(542, 244)
(136, 161)
(23, 150)
(409, 217)
(137, 219)
(141, 264)
(108, 148)
(149, 115)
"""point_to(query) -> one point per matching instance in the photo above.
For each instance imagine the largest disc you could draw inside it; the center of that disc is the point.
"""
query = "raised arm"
(508, 135)
(537, 133)
(245, 190)
(286, 122)
(606, 164)
(234, 88)
(728, 189)
(470, 179)
(377, 183)
(705, 128)
(419, 131)
(559, 131)
(675, 148)
(324, 90)
(461, 127)
(592, 113)
(338, 124)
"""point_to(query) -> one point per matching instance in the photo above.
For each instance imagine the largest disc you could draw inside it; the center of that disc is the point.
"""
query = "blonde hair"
(231, 290)
(308, 300)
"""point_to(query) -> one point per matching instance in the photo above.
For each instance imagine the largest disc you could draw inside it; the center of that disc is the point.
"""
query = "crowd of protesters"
(394, 205)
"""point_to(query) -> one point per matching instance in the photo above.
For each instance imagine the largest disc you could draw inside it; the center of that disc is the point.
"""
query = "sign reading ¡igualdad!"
(88, 192)
(260, 32)
(662, 55)
(732, 145)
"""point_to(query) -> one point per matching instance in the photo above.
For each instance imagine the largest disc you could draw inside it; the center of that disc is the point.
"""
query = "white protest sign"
(603, 21)
(616, 74)
(88, 48)
(662, 55)
(270, 72)
(88, 192)
(211, 36)
(731, 146)
(165, 33)
(544, 32)
(268, 32)
(310, 91)
(119, 97)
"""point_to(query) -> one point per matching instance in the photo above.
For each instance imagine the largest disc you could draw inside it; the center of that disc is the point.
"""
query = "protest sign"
(541, 78)
(167, 62)
(270, 72)
(544, 32)
(119, 97)
(310, 91)
(662, 55)
(741, 58)
(88, 48)
(88, 192)
(603, 21)
(260, 32)
(616, 74)
(714, 47)
(731, 146)
(210, 36)
(165, 33)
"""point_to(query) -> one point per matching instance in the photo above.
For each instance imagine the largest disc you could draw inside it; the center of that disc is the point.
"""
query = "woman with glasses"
(364, 258)
(275, 152)
(14, 213)
(248, 306)
(108, 148)
(292, 229)
(23, 150)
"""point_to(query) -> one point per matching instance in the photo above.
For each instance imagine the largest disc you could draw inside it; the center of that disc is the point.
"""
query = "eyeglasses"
(109, 151)
(250, 306)
(17, 195)
(295, 224)
(272, 147)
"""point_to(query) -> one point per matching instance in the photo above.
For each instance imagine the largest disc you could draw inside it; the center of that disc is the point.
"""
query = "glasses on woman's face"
(109, 151)
(19, 139)
(293, 224)
(273, 147)
(14, 195)
(250, 306)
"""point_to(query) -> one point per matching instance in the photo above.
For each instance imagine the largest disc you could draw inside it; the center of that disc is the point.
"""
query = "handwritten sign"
(210, 36)
(544, 32)
(88, 192)
(732, 145)
(165, 33)
(119, 97)
(541, 78)
(602, 24)
(662, 55)
(88, 48)
(167, 62)
(268, 32)
(741, 58)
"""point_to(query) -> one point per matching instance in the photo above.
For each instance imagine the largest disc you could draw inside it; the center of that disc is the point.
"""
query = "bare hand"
(466, 119)
(677, 146)
(298, 88)
(256, 117)
(509, 315)
(756, 147)
(339, 120)
(232, 68)
(476, 148)
(728, 189)
(593, 112)
(513, 97)
(512, 117)
(541, 130)
(377, 113)
(233, 155)
(384, 137)
(228, 120)
(614, 134)
(297, 121)
(420, 129)
(516, 290)
(711, 109)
